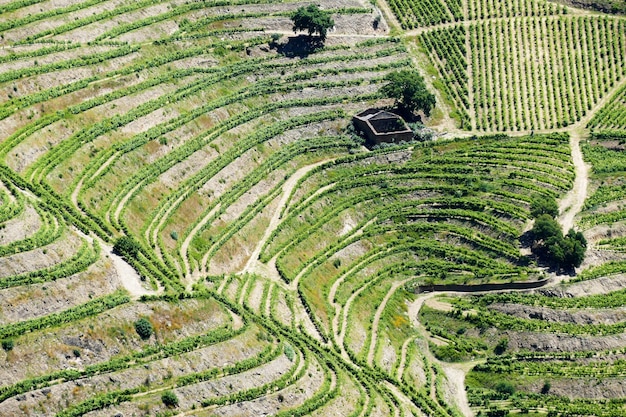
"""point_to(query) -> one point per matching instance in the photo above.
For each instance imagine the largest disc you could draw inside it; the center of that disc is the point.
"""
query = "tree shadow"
(299, 46)
(406, 114)
(526, 239)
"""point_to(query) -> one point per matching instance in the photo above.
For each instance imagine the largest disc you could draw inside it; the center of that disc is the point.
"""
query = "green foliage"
(170, 399)
(545, 227)
(501, 347)
(144, 328)
(407, 87)
(91, 308)
(505, 387)
(127, 247)
(551, 246)
(289, 353)
(313, 20)
(497, 412)
(542, 204)
(8, 344)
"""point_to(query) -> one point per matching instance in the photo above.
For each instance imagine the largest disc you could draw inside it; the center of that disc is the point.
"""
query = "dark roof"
(382, 115)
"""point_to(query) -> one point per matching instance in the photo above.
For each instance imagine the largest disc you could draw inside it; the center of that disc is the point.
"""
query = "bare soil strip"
(574, 200)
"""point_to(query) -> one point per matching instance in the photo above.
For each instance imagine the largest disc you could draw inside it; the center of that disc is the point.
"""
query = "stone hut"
(382, 126)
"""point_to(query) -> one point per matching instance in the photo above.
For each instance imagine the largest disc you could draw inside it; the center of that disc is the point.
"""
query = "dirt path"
(446, 124)
(79, 186)
(379, 312)
(456, 380)
(253, 263)
(268, 300)
(403, 353)
(129, 278)
(454, 373)
(184, 247)
(336, 325)
(574, 200)
(121, 204)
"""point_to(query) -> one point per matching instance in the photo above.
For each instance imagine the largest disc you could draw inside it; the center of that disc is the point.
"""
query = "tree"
(551, 246)
(545, 227)
(409, 90)
(541, 204)
(313, 20)
(144, 328)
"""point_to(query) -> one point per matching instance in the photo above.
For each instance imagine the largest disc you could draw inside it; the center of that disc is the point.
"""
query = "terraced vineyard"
(276, 265)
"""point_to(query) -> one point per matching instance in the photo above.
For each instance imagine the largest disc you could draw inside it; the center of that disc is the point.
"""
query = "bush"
(289, 353)
(497, 413)
(144, 328)
(505, 387)
(7, 344)
(501, 346)
(127, 247)
(546, 387)
(169, 399)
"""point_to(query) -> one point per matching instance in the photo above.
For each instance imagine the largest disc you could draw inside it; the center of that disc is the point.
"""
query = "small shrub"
(505, 387)
(144, 328)
(546, 387)
(497, 413)
(501, 346)
(7, 344)
(169, 399)
(76, 353)
(289, 353)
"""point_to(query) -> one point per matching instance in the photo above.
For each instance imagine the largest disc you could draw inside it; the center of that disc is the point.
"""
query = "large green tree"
(551, 246)
(409, 90)
(313, 20)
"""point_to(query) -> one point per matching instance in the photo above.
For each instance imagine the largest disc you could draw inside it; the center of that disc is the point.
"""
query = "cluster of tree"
(549, 244)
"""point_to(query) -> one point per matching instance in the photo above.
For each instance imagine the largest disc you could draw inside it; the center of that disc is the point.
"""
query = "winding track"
(573, 202)
(379, 312)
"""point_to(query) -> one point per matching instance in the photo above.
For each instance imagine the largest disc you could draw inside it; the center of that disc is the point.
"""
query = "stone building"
(382, 126)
